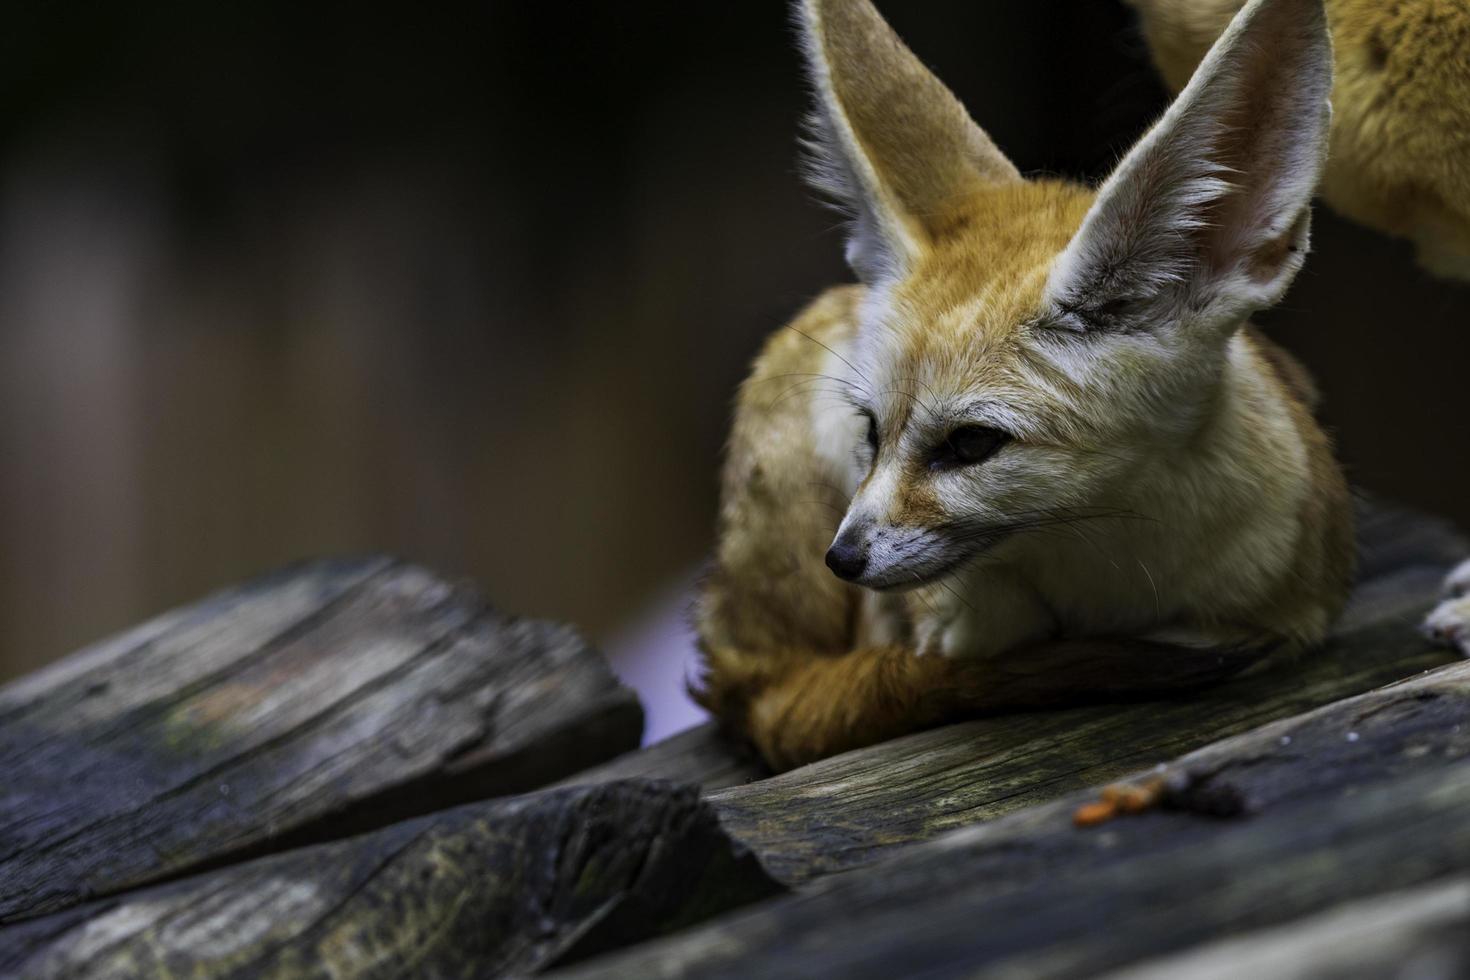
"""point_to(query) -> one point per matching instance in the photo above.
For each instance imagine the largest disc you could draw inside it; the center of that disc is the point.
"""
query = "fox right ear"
(1206, 219)
(889, 143)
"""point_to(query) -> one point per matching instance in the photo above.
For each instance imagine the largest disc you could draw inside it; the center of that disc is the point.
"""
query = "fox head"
(1028, 348)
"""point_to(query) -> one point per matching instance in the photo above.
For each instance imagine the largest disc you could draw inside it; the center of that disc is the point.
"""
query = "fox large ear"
(1207, 218)
(889, 143)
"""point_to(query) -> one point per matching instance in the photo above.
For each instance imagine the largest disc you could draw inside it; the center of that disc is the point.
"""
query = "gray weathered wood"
(507, 885)
(343, 697)
(702, 754)
(1418, 932)
(851, 809)
(1359, 798)
(319, 701)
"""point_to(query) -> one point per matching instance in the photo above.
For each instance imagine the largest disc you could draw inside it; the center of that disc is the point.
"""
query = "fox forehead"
(955, 328)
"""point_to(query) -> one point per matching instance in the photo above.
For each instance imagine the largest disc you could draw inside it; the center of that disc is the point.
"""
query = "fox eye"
(967, 445)
(872, 433)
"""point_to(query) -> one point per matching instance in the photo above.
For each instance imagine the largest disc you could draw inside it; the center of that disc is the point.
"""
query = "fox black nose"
(846, 559)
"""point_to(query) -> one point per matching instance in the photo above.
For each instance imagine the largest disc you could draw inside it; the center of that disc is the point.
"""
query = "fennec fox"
(1400, 157)
(1062, 461)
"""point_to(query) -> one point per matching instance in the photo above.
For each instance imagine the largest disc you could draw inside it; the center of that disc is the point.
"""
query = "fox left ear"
(1207, 218)
(889, 143)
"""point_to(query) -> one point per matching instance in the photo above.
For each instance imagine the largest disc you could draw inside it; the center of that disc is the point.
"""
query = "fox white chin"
(906, 576)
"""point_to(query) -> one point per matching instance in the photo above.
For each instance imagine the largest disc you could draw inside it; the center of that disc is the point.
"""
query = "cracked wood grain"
(1358, 799)
(317, 702)
(509, 885)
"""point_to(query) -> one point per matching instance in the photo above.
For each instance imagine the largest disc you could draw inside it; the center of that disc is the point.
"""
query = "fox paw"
(1449, 622)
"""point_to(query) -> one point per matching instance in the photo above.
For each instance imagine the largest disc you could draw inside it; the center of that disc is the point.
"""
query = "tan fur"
(1225, 523)
(1400, 158)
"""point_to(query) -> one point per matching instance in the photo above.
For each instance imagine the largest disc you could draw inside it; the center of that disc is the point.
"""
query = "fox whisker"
(933, 415)
(802, 374)
(797, 389)
(829, 350)
(950, 589)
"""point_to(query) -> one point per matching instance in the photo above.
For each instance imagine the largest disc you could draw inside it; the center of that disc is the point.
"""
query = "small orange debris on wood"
(1119, 799)
(1093, 814)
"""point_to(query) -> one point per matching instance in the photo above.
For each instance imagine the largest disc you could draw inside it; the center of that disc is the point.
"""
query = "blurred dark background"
(473, 283)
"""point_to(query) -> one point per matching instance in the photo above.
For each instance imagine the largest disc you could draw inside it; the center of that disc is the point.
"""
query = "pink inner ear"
(1211, 205)
(1269, 138)
(1267, 259)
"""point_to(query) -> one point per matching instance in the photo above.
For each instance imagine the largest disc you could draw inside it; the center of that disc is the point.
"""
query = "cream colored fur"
(1400, 147)
(1163, 479)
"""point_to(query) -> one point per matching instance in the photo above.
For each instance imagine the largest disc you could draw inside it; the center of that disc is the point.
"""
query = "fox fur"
(1400, 144)
(1400, 159)
(1160, 487)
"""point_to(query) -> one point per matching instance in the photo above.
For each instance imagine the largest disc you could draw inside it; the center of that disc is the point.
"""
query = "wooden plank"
(505, 886)
(1416, 932)
(702, 754)
(1353, 800)
(849, 810)
(316, 702)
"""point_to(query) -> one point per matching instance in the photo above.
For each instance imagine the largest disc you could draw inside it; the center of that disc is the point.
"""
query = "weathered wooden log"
(1417, 932)
(320, 701)
(503, 886)
(850, 810)
(1359, 798)
(703, 754)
